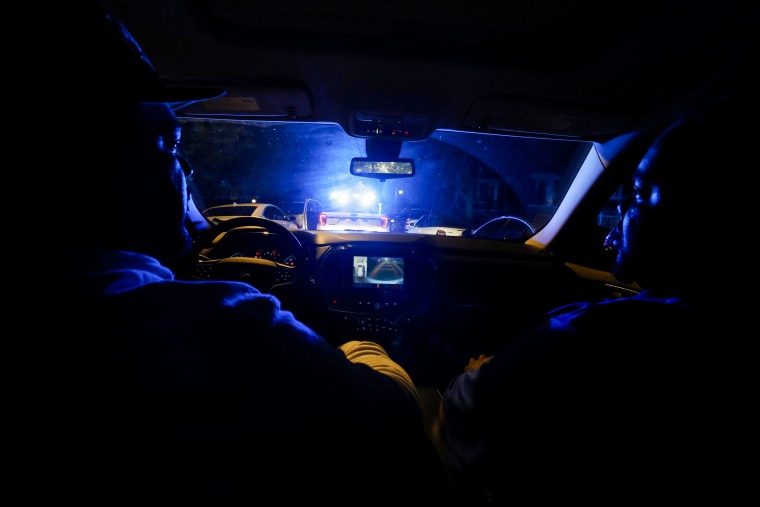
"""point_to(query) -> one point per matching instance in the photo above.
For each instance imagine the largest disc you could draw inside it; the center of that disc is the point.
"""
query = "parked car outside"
(440, 225)
(222, 212)
(349, 221)
(409, 216)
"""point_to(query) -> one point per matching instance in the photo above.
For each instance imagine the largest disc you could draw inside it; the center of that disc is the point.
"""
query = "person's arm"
(375, 356)
(477, 362)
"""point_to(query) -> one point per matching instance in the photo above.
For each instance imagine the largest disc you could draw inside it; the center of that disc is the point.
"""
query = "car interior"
(396, 74)
(560, 99)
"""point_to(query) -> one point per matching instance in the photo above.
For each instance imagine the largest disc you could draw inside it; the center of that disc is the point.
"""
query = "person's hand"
(475, 363)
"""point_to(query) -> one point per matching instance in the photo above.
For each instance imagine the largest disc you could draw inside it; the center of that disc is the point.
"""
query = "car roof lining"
(545, 68)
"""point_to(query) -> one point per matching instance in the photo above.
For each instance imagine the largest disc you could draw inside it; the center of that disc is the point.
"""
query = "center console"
(376, 287)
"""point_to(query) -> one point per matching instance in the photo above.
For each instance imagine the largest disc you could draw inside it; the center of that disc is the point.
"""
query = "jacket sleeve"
(375, 356)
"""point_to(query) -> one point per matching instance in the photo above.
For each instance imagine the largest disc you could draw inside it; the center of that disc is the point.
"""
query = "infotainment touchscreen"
(378, 272)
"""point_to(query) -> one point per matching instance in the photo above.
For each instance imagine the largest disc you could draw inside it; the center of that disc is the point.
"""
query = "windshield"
(467, 176)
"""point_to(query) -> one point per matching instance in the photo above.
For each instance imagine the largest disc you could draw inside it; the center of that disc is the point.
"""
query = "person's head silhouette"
(128, 188)
(677, 219)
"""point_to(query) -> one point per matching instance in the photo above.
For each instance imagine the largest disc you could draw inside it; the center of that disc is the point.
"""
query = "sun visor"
(506, 114)
(288, 102)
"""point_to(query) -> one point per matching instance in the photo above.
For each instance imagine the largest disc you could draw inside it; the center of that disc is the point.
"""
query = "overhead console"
(389, 125)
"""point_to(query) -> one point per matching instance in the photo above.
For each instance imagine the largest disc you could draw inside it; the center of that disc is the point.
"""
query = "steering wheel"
(262, 253)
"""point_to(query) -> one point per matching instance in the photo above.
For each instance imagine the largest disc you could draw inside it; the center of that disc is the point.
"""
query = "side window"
(592, 247)
(609, 216)
(271, 213)
(313, 209)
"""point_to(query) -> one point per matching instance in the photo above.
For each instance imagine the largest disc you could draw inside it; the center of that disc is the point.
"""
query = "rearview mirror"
(382, 169)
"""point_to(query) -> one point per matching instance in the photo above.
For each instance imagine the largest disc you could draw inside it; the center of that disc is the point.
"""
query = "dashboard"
(432, 302)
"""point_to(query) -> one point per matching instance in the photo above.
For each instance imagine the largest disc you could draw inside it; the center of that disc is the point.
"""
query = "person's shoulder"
(221, 292)
(628, 316)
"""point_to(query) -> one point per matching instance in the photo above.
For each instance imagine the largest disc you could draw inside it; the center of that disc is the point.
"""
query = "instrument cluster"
(255, 244)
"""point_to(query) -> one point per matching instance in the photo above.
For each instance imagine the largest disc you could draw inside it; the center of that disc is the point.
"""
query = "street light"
(395, 200)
